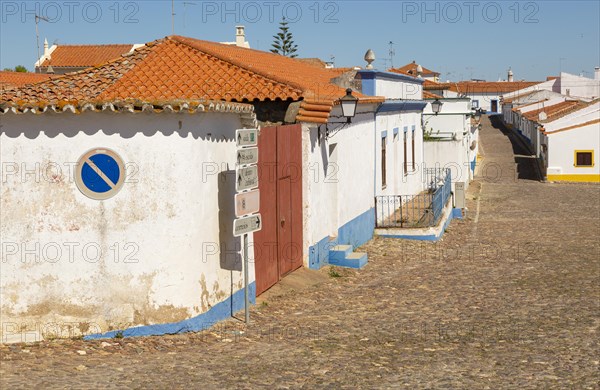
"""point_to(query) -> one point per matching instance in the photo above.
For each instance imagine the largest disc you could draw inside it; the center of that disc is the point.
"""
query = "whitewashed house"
(451, 138)
(139, 247)
(158, 256)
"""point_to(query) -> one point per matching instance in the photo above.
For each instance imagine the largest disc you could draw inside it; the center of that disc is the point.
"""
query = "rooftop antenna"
(173, 17)
(560, 61)
(392, 53)
(185, 4)
(37, 36)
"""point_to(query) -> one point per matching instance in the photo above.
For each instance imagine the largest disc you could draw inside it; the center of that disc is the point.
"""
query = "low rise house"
(159, 256)
(61, 59)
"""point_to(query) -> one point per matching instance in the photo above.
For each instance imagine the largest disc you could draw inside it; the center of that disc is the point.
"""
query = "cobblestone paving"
(508, 299)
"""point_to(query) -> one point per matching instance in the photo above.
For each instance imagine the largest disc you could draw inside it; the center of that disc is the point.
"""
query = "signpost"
(246, 178)
(247, 203)
(247, 199)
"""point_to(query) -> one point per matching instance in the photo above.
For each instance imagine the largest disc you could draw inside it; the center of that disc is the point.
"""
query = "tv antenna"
(37, 37)
(185, 4)
(392, 53)
(172, 17)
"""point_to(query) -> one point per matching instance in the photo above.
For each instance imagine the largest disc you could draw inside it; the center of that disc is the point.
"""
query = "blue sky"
(460, 39)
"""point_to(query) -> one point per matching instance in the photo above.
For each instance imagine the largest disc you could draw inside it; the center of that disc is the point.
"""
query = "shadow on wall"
(522, 150)
(230, 257)
(70, 125)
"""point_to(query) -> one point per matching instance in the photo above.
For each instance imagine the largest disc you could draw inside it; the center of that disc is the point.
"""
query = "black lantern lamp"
(349, 103)
(436, 106)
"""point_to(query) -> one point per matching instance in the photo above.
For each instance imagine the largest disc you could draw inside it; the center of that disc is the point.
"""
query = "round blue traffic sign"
(100, 174)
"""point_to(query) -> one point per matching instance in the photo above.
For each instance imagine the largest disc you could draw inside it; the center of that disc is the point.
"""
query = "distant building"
(240, 38)
(416, 70)
(61, 59)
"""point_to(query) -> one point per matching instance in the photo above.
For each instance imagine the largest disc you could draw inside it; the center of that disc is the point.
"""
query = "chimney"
(419, 71)
(240, 36)
(510, 75)
(597, 73)
(50, 69)
(45, 47)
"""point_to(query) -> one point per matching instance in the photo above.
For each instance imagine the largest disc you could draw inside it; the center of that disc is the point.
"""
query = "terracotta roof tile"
(555, 111)
(429, 95)
(77, 56)
(19, 79)
(180, 69)
(467, 87)
(411, 70)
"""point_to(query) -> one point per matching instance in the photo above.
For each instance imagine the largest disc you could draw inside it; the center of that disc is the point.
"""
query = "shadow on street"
(526, 162)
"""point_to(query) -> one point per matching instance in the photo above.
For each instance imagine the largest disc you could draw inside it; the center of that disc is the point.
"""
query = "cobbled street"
(508, 298)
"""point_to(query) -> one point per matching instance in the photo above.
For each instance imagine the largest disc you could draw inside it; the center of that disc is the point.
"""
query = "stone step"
(352, 260)
(339, 252)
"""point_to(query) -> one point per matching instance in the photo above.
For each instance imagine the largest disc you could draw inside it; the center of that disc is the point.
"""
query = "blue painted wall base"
(218, 312)
(355, 233)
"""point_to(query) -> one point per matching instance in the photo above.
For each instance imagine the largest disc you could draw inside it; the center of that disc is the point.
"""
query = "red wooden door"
(265, 241)
(278, 246)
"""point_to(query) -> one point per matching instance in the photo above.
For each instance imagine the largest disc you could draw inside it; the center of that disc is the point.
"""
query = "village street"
(508, 299)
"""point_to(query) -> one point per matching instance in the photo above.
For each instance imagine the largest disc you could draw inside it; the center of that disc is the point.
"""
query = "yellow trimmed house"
(570, 146)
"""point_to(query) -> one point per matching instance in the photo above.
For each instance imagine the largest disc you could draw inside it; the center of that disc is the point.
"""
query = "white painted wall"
(562, 146)
(452, 137)
(170, 217)
(398, 180)
(398, 89)
(336, 188)
(578, 86)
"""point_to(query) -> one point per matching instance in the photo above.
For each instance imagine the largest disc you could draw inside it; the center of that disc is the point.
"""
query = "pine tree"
(283, 41)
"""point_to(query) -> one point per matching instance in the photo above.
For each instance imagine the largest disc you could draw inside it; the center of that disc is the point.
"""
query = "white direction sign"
(247, 203)
(247, 156)
(246, 178)
(246, 137)
(246, 225)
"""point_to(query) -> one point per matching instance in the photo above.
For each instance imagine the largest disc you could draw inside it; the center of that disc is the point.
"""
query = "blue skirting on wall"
(356, 232)
(218, 312)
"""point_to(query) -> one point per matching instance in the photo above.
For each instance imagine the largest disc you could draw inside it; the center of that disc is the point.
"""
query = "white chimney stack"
(240, 36)
(597, 73)
(45, 47)
(510, 75)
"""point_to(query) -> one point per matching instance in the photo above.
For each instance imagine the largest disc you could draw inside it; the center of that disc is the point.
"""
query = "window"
(475, 104)
(405, 151)
(383, 158)
(412, 140)
(584, 158)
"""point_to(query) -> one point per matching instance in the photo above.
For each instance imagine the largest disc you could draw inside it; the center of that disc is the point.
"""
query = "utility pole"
(392, 53)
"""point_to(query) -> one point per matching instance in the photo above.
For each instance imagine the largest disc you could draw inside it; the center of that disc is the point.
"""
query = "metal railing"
(420, 210)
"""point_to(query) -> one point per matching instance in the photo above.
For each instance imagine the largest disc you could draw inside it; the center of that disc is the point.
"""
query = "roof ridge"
(244, 65)
(241, 64)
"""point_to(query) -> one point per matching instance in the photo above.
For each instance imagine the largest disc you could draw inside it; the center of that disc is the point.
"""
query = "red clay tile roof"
(77, 56)
(555, 111)
(429, 95)
(411, 70)
(319, 63)
(185, 69)
(433, 86)
(18, 79)
(469, 87)
(588, 123)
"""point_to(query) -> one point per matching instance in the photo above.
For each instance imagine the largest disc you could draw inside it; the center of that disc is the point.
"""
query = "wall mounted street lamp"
(436, 106)
(348, 103)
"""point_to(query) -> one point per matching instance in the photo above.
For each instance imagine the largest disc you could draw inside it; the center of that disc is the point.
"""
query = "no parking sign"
(100, 174)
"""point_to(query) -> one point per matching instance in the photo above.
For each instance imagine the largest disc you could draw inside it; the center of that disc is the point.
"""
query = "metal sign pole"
(246, 303)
